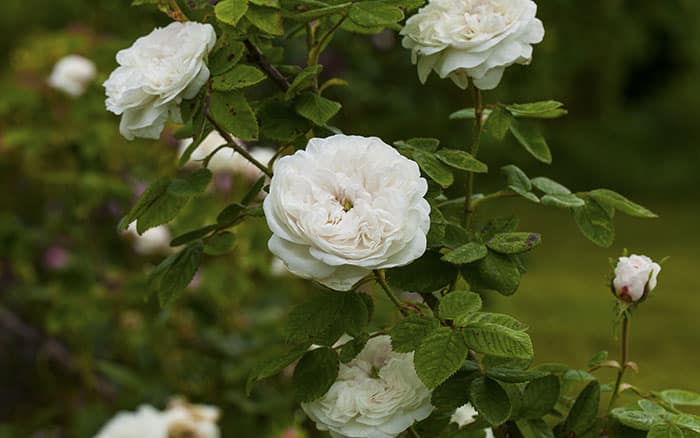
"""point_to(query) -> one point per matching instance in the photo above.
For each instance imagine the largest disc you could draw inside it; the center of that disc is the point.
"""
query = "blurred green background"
(78, 338)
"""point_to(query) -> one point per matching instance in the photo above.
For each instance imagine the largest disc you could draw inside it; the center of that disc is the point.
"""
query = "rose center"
(347, 204)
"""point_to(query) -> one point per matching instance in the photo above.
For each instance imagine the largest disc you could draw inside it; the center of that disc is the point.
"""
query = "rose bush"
(475, 39)
(345, 206)
(155, 74)
(376, 395)
(635, 277)
(226, 159)
(72, 74)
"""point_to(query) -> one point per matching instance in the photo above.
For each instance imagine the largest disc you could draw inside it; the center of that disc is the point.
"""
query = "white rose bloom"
(226, 159)
(376, 395)
(72, 74)
(153, 241)
(196, 421)
(476, 39)
(466, 415)
(155, 74)
(345, 206)
(145, 422)
(634, 277)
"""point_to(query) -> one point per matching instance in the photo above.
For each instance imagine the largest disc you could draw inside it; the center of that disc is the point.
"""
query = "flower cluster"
(181, 419)
(376, 395)
(155, 74)
(476, 39)
(345, 206)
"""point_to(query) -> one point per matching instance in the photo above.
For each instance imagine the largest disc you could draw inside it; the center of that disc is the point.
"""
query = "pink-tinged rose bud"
(635, 277)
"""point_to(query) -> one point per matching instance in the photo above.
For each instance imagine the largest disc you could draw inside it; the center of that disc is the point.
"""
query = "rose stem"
(234, 144)
(379, 276)
(624, 350)
(478, 112)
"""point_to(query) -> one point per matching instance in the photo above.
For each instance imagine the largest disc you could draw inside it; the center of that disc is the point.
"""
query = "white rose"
(345, 206)
(476, 39)
(376, 395)
(635, 276)
(72, 74)
(196, 421)
(155, 74)
(153, 241)
(145, 422)
(226, 159)
(466, 415)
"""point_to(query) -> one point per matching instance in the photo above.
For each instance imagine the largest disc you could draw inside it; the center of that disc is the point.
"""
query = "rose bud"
(635, 277)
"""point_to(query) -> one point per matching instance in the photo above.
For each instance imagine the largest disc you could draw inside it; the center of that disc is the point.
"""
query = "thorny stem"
(478, 112)
(238, 146)
(258, 58)
(379, 276)
(624, 351)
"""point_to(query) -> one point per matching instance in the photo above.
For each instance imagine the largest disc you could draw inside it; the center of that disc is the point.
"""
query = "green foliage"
(240, 76)
(461, 160)
(467, 253)
(326, 317)
(459, 305)
(232, 111)
(174, 273)
(408, 333)
(439, 356)
(497, 340)
(540, 396)
(595, 222)
(231, 11)
(315, 373)
(412, 277)
(514, 243)
(490, 400)
(316, 108)
(582, 416)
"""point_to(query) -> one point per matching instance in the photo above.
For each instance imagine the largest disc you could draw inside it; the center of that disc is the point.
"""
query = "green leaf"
(465, 113)
(563, 201)
(467, 253)
(315, 373)
(162, 210)
(510, 375)
(316, 108)
(515, 177)
(424, 144)
(433, 168)
(461, 160)
(497, 340)
(254, 190)
(458, 304)
(274, 363)
(635, 419)
(240, 76)
(665, 431)
(269, 20)
(514, 243)
(229, 214)
(412, 276)
(680, 397)
(540, 396)
(598, 358)
(230, 11)
(490, 400)
(326, 317)
(220, 243)
(269, 3)
(494, 272)
(303, 80)
(194, 184)
(582, 415)
(618, 202)
(232, 111)
(439, 356)
(530, 137)
(549, 186)
(192, 235)
(452, 393)
(595, 223)
(408, 333)
(353, 347)
(500, 224)
(147, 198)
(688, 421)
(374, 13)
(534, 429)
(179, 273)
(225, 55)
(279, 122)
(548, 109)
(498, 123)
(497, 318)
